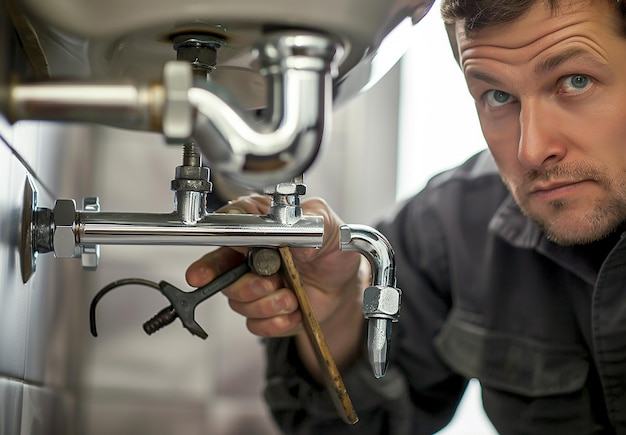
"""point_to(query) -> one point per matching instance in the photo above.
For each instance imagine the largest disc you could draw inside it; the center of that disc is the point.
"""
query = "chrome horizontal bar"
(217, 229)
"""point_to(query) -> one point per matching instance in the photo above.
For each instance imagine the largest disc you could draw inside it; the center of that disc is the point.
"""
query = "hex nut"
(289, 188)
(198, 49)
(192, 186)
(177, 122)
(64, 238)
(199, 55)
(192, 173)
(379, 301)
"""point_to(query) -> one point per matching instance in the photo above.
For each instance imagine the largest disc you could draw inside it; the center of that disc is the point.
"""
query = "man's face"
(550, 91)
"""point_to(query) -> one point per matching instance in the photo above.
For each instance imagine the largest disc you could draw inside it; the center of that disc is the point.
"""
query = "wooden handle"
(332, 377)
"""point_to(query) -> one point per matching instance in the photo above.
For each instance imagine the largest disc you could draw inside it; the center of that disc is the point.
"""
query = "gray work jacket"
(486, 296)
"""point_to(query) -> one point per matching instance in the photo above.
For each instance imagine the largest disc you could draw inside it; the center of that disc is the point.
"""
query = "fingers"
(252, 287)
(332, 222)
(271, 310)
(252, 204)
(211, 265)
(276, 304)
(278, 326)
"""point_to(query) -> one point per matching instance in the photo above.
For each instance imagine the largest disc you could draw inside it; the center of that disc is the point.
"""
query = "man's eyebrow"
(553, 62)
(485, 77)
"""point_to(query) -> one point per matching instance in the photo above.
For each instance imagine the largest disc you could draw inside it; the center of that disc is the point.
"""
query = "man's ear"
(450, 30)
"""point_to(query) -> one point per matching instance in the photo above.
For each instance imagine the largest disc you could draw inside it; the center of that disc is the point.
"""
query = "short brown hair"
(478, 14)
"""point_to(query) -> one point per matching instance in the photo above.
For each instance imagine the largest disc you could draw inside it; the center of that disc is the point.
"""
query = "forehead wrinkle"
(551, 63)
(589, 54)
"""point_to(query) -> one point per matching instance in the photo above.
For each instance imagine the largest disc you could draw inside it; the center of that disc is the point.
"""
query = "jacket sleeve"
(419, 393)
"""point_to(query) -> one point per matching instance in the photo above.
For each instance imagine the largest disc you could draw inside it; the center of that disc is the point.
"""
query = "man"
(511, 265)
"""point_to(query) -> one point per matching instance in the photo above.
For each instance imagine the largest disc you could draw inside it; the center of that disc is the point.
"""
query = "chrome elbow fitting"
(382, 300)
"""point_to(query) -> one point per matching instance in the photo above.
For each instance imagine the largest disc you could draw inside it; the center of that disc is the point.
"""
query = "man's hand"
(332, 280)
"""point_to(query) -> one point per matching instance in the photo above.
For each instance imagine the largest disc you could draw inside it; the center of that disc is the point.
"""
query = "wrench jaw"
(195, 329)
(184, 306)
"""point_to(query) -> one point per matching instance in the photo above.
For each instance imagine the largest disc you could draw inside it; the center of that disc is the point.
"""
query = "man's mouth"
(557, 189)
(552, 185)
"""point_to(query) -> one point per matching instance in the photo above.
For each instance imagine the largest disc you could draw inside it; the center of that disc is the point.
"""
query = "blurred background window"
(438, 130)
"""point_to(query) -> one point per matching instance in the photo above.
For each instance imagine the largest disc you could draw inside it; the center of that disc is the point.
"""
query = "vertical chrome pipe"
(299, 69)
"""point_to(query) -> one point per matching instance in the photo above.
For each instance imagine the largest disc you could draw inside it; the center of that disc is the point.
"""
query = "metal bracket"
(28, 255)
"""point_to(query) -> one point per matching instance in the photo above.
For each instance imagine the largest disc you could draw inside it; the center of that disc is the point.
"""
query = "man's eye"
(574, 83)
(496, 98)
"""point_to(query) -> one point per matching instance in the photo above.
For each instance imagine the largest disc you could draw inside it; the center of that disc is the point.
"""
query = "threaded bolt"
(191, 156)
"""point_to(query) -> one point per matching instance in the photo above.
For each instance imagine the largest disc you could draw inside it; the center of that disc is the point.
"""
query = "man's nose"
(540, 141)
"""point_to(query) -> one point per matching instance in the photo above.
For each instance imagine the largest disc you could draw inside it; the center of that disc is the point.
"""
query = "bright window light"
(438, 124)
(438, 130)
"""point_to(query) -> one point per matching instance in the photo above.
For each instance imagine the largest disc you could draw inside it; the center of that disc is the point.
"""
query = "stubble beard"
(564, 226)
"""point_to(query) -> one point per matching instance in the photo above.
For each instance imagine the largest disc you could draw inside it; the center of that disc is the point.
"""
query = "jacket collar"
(510, 224)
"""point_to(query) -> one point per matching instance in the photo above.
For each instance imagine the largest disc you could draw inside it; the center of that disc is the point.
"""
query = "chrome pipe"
(217, 229)
(299, 70)
(381, 301)
(119, 105)
(373, 246)
(190, 206)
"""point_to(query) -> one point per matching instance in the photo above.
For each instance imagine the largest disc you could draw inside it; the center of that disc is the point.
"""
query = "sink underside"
(133, 38)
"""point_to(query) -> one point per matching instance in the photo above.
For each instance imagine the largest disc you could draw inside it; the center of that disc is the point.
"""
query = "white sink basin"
(133, 37)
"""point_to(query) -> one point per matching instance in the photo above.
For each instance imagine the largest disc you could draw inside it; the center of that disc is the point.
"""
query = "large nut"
(381, 301)
(177, 119)
(64, 238)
